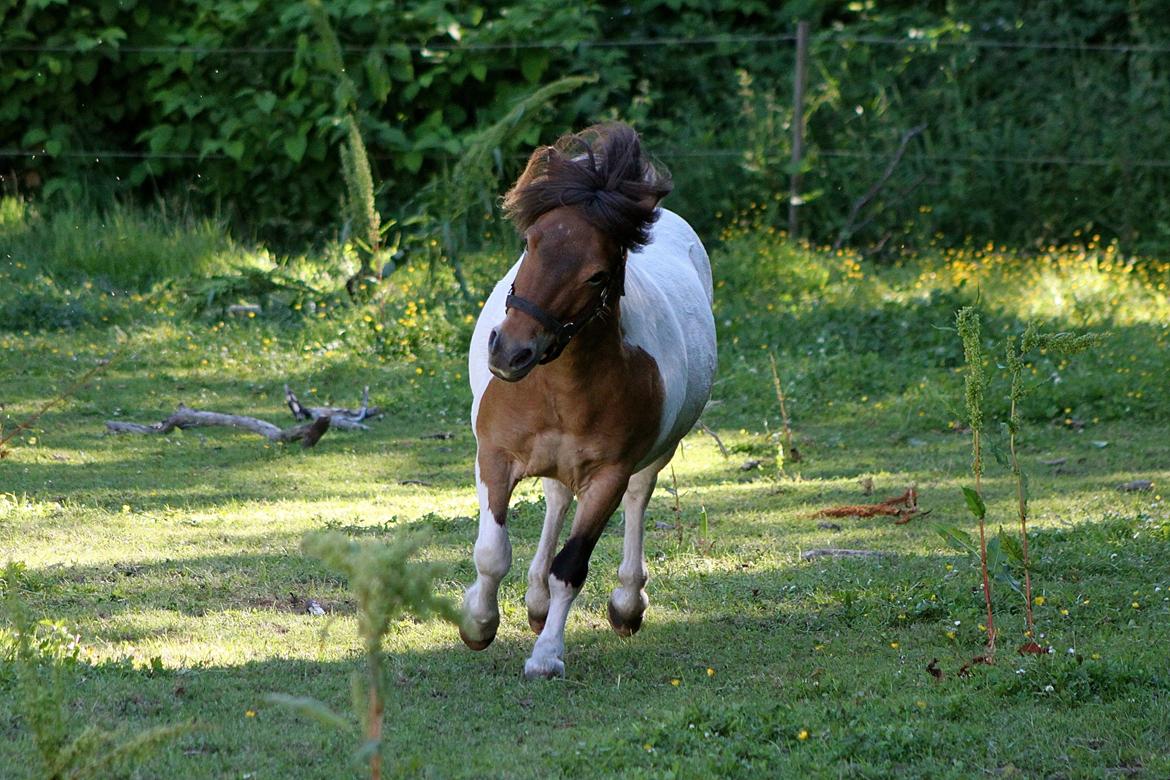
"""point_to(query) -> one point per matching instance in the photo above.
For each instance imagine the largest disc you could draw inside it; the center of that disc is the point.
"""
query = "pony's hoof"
(543, 668)
(476, 644)
(536, 622)
(622, 625)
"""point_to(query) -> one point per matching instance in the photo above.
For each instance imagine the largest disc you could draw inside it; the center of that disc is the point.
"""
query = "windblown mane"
(602, 170)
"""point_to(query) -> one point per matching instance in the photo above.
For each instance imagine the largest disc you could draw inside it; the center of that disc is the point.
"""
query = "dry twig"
(840, 552)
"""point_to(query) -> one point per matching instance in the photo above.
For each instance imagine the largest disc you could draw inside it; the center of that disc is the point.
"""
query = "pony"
(592, 357)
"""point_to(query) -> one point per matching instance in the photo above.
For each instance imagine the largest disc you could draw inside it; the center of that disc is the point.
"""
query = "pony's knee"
(493, 556)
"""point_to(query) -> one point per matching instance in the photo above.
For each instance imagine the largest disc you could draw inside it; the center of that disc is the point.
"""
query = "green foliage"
(383, 579)
(387, 585)
(975, 503)
(236, 103)
(40, 659)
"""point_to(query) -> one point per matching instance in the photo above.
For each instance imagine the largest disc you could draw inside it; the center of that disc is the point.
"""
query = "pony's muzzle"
(511, 360)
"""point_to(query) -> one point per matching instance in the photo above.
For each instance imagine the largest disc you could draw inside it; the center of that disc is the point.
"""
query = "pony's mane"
(602, 170)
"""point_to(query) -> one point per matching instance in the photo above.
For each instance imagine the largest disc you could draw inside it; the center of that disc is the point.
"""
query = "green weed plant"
(387, 586)
(40, 660)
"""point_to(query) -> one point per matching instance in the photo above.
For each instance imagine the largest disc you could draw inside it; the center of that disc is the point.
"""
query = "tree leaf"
(294, 147)
(958, 539)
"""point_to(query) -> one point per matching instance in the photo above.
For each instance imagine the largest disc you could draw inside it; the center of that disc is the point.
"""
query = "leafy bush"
(234, 104)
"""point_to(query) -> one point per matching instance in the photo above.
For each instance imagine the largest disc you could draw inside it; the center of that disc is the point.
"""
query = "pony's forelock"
(601, 170)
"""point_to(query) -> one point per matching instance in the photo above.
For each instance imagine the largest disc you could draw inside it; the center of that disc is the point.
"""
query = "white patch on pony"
(549, 651)
(667, 312)
(493, 558)
(492, 314)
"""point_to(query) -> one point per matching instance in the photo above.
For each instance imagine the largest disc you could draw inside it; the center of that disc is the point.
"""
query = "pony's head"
(581, 204)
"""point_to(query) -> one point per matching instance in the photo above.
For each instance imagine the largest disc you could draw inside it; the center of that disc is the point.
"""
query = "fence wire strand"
(911, 40)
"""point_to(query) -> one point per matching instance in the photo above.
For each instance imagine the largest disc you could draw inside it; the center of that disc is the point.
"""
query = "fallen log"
(185, 417)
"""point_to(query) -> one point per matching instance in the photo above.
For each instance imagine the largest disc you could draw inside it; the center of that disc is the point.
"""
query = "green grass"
(177, 561)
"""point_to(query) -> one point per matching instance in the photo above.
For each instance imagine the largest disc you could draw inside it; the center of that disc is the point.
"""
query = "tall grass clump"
(118, 247)
(387, 584)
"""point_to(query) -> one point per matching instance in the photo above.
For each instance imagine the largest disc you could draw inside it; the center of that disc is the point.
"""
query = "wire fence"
(912, 40)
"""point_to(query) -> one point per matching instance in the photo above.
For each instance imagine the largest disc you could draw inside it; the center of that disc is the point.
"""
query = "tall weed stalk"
(971, 332)
(1060, 344)
(387, 584)
(359, 209)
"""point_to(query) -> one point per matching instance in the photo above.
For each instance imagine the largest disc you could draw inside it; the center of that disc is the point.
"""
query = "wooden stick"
(798, 79)
(77, 384)
(185, 417)
(789, 452)
(838, 552)
(707, 430)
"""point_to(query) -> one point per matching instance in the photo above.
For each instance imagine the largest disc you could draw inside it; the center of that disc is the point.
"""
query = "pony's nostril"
(522, 358)
(492, 337)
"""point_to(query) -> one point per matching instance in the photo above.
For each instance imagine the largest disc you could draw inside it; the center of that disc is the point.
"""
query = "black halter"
(563, 332)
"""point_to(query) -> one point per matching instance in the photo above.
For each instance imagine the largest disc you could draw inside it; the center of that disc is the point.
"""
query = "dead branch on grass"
(341, 417)
(185, 417)
(904, 508)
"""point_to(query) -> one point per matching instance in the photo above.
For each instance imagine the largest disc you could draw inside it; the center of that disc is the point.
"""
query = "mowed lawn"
(176, 559)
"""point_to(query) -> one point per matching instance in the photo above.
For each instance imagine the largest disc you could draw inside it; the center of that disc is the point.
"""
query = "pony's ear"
(650, 200)
(658, 185)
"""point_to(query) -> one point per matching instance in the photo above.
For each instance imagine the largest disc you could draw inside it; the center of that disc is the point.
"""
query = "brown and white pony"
(591, 359)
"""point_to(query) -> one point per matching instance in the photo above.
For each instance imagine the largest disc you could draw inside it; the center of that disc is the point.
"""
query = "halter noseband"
(563, 332)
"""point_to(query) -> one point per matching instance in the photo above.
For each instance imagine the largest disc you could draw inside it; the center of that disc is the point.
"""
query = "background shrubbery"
(230, 105)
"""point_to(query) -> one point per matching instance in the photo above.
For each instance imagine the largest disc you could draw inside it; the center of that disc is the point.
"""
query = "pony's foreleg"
(493, 551)
(594, 506)
(557, 498)
(627, 603)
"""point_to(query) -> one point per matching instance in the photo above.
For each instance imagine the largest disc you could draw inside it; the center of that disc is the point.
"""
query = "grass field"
(176, 560)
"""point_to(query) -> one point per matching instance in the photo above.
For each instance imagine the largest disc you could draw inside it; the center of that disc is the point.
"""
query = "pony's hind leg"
(568, 571)
(493, 551)
(557, 498)
(627, 603)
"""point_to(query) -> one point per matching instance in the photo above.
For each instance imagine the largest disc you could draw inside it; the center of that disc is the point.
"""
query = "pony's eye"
(598, 279)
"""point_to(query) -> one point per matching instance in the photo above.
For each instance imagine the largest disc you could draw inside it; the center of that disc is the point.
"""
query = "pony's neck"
(591, 350)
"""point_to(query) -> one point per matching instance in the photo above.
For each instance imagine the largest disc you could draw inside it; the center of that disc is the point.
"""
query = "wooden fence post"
(794, 199)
